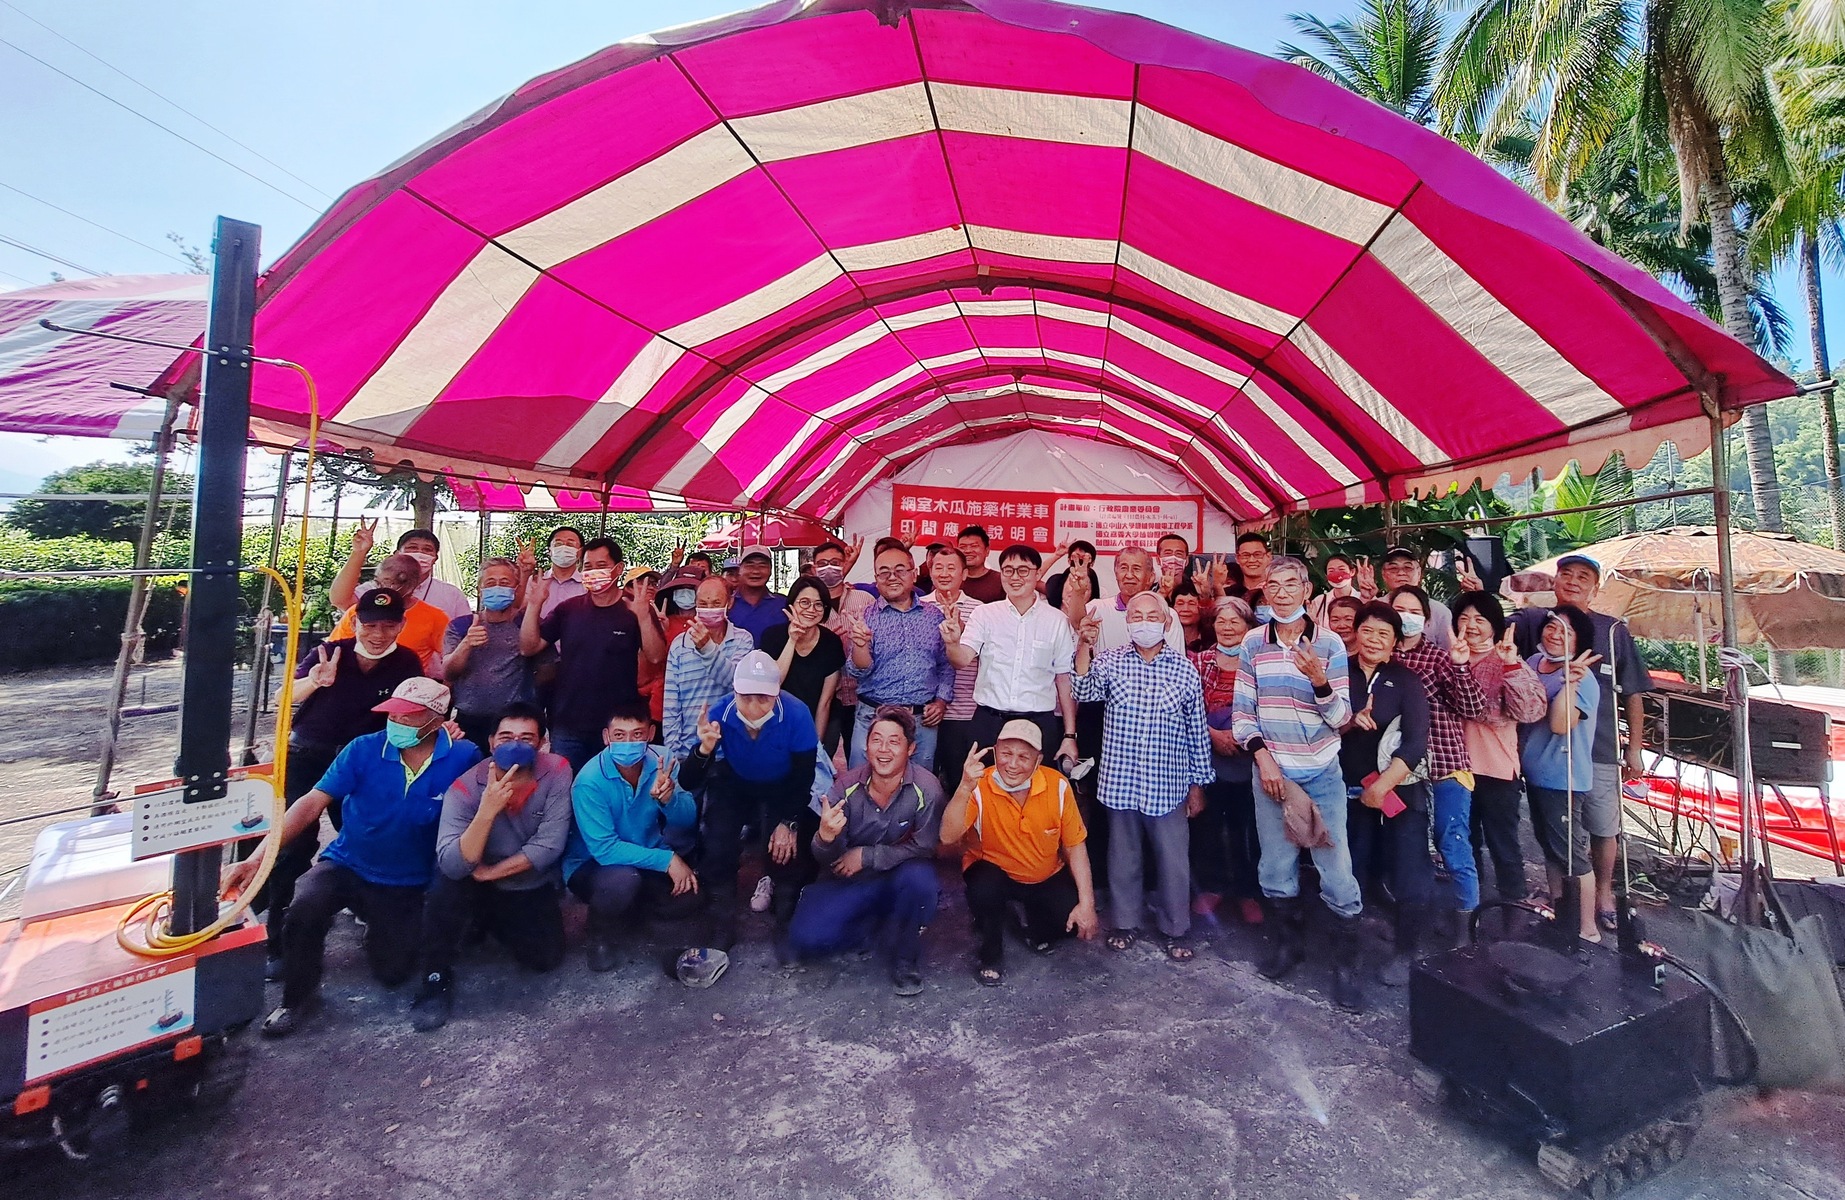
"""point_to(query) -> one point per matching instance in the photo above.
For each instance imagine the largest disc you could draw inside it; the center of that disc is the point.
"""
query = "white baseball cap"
(418, 694)
(750, 552)
(1019, 731)
(758, 675)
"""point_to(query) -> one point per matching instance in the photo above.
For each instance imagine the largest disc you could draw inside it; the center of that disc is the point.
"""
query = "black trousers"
(987, 722)
(393, 919)
(1495, 827)
(953, 739)
(1047, 907)
(1396, 848)
(839, 721)
(478, 728)
(623, 898)
(528, 922)
(730, 804)
(1224, 848)
(306, 764)
(1095, 816)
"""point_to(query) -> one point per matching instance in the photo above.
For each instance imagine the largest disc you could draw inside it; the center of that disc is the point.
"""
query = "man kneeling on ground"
(634, 826)
(503, 829)
(876, 851)
(391, 785)
(1025, 843)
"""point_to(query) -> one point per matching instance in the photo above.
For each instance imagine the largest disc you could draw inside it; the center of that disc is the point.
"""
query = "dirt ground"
(1090, 1074)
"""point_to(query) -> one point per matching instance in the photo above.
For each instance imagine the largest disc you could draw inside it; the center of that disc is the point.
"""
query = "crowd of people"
(649, 742)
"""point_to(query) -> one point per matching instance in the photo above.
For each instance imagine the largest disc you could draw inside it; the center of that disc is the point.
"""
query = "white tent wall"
(1039, 462)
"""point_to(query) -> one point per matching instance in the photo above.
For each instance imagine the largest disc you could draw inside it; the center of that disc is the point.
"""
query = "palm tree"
(1804, 218)
(1699, 71)
(1390, 53)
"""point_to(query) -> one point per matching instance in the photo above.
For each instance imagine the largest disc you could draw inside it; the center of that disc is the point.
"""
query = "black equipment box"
(1791, 745)
(1609, 1054)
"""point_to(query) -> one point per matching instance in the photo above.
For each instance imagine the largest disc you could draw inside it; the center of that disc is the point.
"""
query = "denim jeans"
(839, 914)
(1279, 871)
(1453, 817)
(923, 754)
(576, 749)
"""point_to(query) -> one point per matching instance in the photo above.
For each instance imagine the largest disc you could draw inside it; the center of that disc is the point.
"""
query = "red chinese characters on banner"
(1046, 520)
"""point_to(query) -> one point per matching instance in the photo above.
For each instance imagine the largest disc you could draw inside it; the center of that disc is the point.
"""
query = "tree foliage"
(109, 520)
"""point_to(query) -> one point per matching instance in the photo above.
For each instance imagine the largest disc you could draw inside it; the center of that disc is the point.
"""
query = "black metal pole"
(217, 536)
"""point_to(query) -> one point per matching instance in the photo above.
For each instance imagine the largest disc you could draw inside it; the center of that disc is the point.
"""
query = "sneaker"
(763, 896)
(285, 1020)
(430, 1010)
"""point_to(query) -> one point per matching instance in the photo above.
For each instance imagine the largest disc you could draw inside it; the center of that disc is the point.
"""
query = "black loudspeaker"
(1591, 1057)
(1489, 561)
(1792, 746)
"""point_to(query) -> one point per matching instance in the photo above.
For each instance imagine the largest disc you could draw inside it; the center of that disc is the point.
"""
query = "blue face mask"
(515, 754)
(402, 736)
(1413, 623)
(1264, 614)
(626, 754)
(496, 599)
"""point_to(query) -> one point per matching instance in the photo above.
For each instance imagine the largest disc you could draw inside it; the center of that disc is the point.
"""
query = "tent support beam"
(1750, 891)
(265, 619)
(132, 635)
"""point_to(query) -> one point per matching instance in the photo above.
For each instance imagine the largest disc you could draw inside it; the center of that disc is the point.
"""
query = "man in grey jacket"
(876, 852)
(503, 830)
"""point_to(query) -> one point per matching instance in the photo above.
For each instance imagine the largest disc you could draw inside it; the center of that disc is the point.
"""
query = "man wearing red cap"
(391, 785)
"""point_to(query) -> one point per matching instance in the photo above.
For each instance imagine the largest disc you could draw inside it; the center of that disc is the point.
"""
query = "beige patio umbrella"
(1790, 594)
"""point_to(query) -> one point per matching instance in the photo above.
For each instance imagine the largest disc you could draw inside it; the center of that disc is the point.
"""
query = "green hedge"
(68, 622)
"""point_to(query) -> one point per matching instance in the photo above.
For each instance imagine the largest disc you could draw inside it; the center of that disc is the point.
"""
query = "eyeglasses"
(1018, 572)
(527, 739)
(808, 604)
(895, 572)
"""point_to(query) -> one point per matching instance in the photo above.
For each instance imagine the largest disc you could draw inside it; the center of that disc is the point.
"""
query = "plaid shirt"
(695, 678)
(1154, 747)
(1454, 699)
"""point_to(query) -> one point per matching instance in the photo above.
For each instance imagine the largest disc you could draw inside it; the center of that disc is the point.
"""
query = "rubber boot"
(1287, 919)
(1463, 921)
(1347, 947)
(1412, 920)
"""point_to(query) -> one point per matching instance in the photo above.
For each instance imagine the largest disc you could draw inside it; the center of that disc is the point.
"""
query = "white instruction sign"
(165, 823)
(100, 1020)
(1111, 523)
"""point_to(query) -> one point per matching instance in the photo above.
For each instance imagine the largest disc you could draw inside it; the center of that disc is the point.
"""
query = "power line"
(165, 99)
(157, 125)
(46, 254)
(98, 224)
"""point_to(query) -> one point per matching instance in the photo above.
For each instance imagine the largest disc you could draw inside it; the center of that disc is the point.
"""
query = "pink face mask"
(599, 580)
(711, 618)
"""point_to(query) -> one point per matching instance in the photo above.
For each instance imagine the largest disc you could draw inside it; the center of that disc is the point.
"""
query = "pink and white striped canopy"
(58, 383)
(768, 260)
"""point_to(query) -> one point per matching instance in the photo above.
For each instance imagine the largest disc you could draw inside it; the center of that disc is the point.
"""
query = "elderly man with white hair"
(1156, 759)
(1289, 705)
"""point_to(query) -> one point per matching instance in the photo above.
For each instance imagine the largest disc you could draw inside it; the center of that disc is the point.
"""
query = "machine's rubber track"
(1609, 1170)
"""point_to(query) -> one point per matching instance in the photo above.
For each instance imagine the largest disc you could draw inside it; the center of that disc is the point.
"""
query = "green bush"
(66, 622)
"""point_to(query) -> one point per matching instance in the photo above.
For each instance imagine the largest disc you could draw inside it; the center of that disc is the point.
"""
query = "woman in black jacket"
(1387, 807)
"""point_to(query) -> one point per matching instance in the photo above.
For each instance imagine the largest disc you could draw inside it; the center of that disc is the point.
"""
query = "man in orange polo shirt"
(424, 623)
(1023, 839)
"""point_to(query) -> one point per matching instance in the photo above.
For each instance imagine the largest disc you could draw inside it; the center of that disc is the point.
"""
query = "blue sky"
(328, 91)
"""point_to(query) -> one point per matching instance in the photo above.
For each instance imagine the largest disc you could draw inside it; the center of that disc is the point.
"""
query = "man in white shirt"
(419, 544)
(1025, 650)
(954, 736)
(566, 549)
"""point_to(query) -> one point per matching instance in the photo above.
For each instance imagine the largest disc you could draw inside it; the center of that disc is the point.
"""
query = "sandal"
(1608, 919)
(1177, 950)
(989, 976)
(1041, 947)
(1120, 939)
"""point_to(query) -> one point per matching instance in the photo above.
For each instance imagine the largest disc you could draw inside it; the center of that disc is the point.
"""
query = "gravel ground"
(1090, 1074)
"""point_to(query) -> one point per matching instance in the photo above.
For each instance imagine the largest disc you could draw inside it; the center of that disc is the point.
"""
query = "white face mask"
(424, 560)
(1412, 623)
(756, 725)
(359, 649)
(563, 556)
(1146, 633)
(999, 781)
(1286, 618)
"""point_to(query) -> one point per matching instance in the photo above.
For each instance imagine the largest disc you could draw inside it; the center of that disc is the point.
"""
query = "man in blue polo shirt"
(755, 758)
(754, 608)
(390, 785)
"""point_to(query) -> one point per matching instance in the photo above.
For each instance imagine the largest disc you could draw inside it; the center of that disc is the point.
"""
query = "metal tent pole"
(265, 620)
(217, 523)
(1749, 893)
(132, 635)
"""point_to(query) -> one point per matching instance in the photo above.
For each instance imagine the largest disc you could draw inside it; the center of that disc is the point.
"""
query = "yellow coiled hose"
(145, 928)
